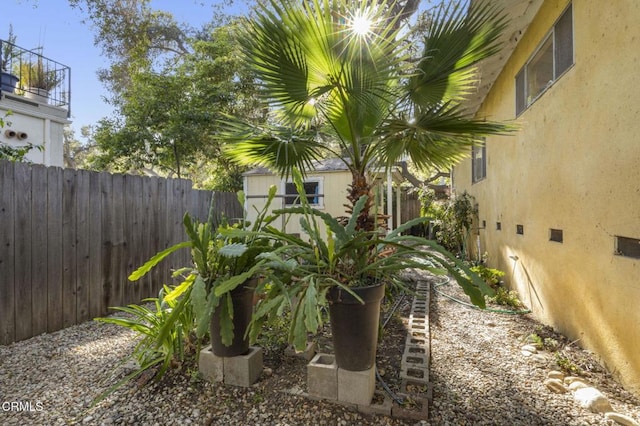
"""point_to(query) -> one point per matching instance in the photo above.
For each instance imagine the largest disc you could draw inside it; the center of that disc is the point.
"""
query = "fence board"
(69, 220)
(7, 271)
(22, 253)
(69, 240)
(54, 248)
(83, 232)
(39, 282)
(94, 237)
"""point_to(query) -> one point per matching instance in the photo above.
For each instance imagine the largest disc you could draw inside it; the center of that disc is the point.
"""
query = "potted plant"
(220, 284)
(38, 80)
(346, 268)
(8, 81)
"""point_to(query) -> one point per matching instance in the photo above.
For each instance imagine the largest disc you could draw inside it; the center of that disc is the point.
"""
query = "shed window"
(313, 189)
(552, 58)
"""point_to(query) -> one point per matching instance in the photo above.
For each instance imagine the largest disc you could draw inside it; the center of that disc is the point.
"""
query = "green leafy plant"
(38, 75)
(506, 297)
(336, 254)
(157, 347)
(490, 275)
(224, 256)
(9, 50)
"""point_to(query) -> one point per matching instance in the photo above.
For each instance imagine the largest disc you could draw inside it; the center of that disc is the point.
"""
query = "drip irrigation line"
(436, 287)
(386, 387)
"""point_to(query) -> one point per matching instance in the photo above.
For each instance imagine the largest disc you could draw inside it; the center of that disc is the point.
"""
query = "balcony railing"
(37, 78)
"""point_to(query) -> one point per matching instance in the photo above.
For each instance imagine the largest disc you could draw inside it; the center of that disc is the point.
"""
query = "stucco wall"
(334, 188)
(575, 166)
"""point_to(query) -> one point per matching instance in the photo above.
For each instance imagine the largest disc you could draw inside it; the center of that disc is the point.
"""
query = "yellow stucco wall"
(575, 166)
(334, 185)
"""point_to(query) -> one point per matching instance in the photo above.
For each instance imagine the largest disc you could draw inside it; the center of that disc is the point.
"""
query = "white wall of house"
(36, 123)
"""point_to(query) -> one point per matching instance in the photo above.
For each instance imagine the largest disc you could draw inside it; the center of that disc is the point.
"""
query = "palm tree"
(340, 79)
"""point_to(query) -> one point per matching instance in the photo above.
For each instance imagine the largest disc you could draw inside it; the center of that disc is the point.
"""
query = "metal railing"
(29, 74)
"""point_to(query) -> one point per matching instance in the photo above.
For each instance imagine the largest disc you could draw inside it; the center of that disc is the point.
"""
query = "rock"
(530, 348)
(87, 419)
(554, 374)
(570, 379)
(592, 399)
(621, 419)
(526, 353)
(555, 385)
(578, 384)
(539, 358)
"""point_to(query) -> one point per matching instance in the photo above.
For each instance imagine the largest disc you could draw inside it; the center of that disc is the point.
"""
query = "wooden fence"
(70, 238)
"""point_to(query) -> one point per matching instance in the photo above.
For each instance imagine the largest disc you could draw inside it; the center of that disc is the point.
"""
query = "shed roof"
(325, 165)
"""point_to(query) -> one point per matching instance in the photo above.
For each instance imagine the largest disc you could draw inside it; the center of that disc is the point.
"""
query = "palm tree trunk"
(359, 187)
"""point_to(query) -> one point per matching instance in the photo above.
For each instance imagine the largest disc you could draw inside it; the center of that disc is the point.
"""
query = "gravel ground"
(478, 372)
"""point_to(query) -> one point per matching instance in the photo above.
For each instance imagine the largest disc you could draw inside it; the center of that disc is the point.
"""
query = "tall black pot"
(242, 299)
(354, 326)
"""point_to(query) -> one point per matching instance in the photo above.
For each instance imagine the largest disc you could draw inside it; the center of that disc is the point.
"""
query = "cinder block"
(381, 408)
(243, 370)
(210, 366)
(322, 377)
(415, 408)
(414, 361)
(415, 374)
(356, 387)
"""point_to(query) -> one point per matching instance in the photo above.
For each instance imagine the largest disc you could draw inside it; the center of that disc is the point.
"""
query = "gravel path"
(478, 372)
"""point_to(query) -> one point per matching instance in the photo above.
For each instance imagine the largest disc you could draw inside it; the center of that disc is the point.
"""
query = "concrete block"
(356, 387)
(243, 370)
(414, 360)
(415, 374)
(322, 377)
(381, 404)
(210, 366)
(417, 341)
(415, 408)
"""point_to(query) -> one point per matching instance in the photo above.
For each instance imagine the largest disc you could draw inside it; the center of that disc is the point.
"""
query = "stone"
(539, 358)
(554, 374)
(322, 377)
(592, 399)
(570, 379)
(526, 353)
(578, 384)
(530, 348)
(621, 419)
(555, 385)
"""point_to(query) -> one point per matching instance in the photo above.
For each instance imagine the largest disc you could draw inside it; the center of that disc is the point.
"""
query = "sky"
(59, 30)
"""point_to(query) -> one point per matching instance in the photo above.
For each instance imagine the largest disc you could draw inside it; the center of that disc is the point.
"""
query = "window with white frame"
(313, 187)
(551, 59)
(478, 163)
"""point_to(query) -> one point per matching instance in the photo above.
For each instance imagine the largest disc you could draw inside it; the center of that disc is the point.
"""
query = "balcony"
(28, 76)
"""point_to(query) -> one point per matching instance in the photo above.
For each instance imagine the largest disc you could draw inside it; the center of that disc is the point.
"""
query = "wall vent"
(555, 235)
(498, 226)
(628, 247)
(520, 229)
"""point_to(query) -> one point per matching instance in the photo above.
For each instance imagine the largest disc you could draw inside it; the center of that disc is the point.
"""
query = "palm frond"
(437, 137)
(456, 41)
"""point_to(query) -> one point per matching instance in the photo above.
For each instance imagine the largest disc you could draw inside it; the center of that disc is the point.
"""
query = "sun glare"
(361, 25)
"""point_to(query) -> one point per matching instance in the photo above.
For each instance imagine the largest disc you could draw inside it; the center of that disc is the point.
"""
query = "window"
(313, 189)
(478, 163)
(552, 58)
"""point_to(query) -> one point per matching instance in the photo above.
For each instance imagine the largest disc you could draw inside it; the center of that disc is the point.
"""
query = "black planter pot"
(242, 299)
(8, 82)
(354, 326)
